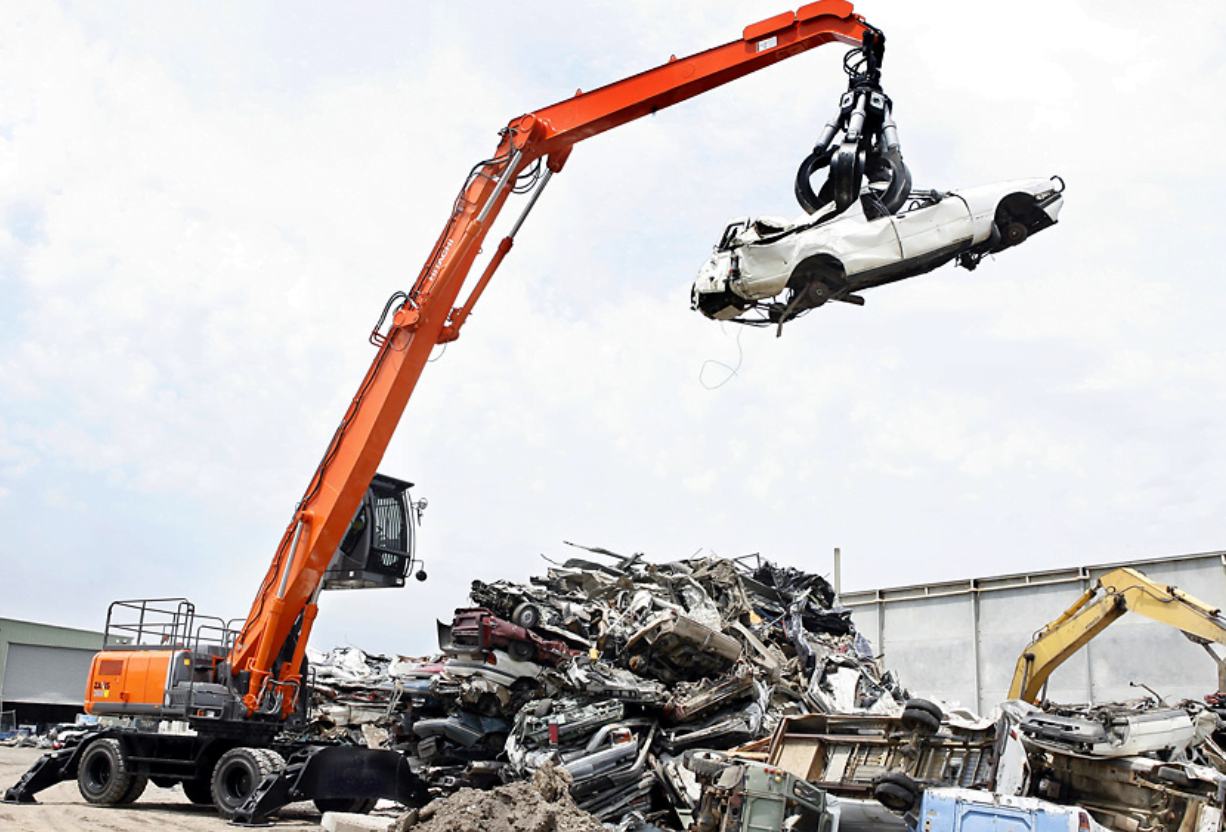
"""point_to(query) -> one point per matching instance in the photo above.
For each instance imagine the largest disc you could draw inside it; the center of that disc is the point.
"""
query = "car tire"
(816, 294)
(896, 792)
(521, 651)
(237, 774)
(815, 278)
(526, 615)
(703, 762)
(924, 705)
(920, 722)
(104, 774)
(1015, 233)
(350, 805)
(198, 791)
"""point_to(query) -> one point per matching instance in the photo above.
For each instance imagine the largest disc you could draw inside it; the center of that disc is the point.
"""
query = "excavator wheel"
(237, 774)
(105, 776)
(199, 792)
(135, 789)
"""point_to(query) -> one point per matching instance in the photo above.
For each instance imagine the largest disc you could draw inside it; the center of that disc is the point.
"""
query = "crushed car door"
(861, 244)
(935, 230)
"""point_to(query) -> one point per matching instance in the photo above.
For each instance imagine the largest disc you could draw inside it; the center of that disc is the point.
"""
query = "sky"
(204, 206)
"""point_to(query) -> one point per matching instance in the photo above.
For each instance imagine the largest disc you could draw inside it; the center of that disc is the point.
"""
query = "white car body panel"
(757, 260)
(938, 226)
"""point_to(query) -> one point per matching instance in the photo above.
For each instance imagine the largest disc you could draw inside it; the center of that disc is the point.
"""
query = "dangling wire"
(732, 371)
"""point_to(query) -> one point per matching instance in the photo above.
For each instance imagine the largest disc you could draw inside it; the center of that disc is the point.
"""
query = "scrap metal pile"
(611, 670)
(682, 695)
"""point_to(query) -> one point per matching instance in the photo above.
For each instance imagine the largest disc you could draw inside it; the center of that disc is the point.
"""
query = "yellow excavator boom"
(1115, 593)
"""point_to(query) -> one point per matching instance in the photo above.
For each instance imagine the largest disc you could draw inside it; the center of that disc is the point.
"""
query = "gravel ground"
(62, 809)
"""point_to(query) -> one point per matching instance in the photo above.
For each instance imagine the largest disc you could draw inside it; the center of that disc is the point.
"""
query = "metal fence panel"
(960, 641)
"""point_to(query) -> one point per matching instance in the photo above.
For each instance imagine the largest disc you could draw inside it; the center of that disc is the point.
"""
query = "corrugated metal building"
(960, 640)
(43, 670)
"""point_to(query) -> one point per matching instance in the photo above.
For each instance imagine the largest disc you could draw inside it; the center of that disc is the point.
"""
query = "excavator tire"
(274, 760)
(135, 789)
(199, 792)
(104, 774)
(237, 774)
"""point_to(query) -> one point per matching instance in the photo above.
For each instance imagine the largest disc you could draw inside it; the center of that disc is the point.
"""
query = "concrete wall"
(960, 640)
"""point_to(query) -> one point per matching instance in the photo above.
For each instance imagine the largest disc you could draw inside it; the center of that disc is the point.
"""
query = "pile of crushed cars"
(734, 695)
(54, 737)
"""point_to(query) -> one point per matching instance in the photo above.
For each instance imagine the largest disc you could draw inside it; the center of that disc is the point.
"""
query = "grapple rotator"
(860, 141)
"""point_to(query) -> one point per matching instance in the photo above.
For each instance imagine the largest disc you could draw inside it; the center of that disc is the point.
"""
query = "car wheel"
(816, 294)
(1015, 234)
(103, 773)
(198, 791)
(521, 651)
(924, 705)
(812, 281)
(921, 722)
(896, 792)
(526, 616)
(237, 774)
(351, 805)
(703, 762)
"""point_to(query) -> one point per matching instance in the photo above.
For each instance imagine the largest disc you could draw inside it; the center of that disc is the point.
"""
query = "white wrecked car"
(768, 271)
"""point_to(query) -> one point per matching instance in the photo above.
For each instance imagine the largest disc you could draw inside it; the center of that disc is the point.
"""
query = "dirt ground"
(540, 805)
(61, 808)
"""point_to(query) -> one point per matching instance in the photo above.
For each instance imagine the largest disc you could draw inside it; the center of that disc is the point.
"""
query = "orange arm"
(273, 639)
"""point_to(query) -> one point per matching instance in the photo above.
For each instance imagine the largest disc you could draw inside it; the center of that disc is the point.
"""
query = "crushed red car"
(477, 629)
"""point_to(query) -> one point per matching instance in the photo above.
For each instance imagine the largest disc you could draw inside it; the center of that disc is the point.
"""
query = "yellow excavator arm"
(1115, 593)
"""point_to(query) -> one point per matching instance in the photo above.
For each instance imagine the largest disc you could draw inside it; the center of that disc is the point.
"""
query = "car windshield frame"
(730, 233)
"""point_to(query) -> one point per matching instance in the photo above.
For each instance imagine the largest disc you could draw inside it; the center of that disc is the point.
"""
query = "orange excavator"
(206, 704)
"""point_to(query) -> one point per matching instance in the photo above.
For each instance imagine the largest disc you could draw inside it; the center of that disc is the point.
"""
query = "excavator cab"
(378, 549)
